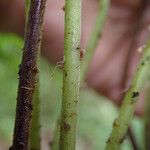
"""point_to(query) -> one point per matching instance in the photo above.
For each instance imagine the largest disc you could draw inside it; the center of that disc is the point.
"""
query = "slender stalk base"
(71, 74)
(28, 75)
(35, 123)
(95, 36)
(127, 110)
(147, 118)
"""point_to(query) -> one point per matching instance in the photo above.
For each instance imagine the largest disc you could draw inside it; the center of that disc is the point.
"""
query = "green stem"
(147, 118)
(101, 17)
(95, 36)
(55, 142)
(71, 74)
(35, 123)
(27, 8)
(127, 110)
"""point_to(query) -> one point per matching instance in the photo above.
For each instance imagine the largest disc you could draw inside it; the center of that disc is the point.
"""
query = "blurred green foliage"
(10, 52)
(96, 113)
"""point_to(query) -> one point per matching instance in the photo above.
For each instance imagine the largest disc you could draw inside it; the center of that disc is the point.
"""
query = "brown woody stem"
(28, 75)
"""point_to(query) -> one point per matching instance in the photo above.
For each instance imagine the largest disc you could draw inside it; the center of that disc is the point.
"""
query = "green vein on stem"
(95, 36)
(127, 109)
(71, 74)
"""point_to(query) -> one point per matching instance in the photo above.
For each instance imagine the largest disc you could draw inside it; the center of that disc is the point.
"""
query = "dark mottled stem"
(28, 75)
(35, 123)
(71, 74)
(121, 124)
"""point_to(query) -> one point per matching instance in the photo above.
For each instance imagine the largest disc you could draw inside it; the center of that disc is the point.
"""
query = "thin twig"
(127, 110)
(71, 74)
(28, 75)
(136, 27)
(35, 122)
(95, 36)
(55, 143)
(91, 46)
(147, 118)
(132, 139)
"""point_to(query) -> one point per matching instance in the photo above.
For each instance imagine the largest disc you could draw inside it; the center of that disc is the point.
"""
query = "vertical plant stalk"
(35, 122)
(27, 8)
(95, 36)
(28, 75)
(136, 26)
(101, 17)
(127, 110)
(71, 74)
(55, 142)
(147, 118)
(132, 139)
